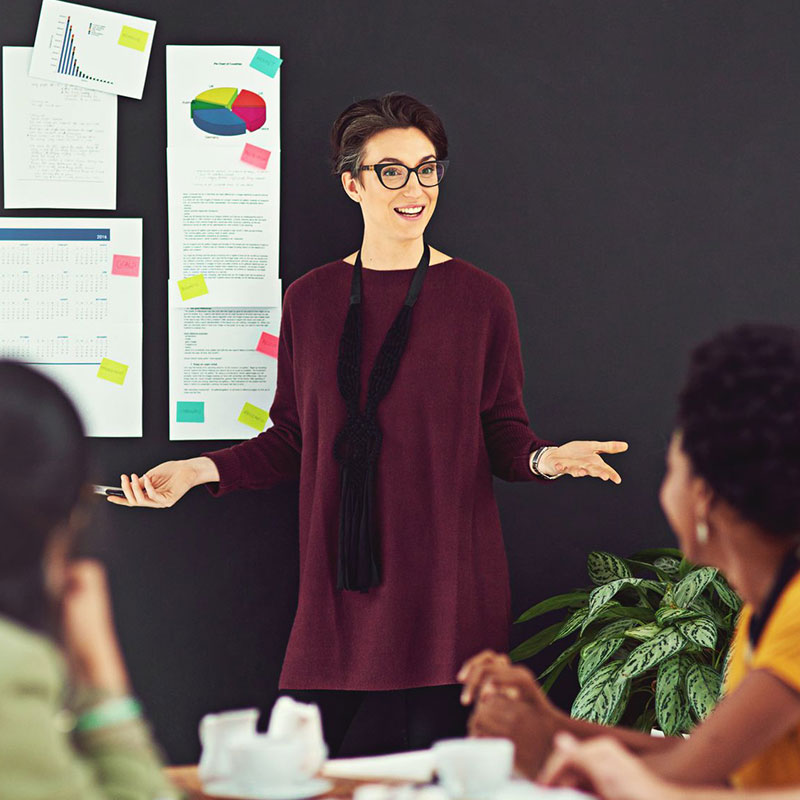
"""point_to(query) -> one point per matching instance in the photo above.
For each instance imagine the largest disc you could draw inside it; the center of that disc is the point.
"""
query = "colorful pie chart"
(228, 112)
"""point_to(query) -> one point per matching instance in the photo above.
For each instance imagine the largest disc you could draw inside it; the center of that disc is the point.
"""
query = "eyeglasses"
(395, 176)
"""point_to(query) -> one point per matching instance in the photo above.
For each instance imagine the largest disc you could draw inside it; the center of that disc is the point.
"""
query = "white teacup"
(262, 761)
(473, 768)
(217, 733)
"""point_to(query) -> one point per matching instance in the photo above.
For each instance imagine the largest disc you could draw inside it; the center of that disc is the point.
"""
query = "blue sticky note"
(191, 412)
(265, 62)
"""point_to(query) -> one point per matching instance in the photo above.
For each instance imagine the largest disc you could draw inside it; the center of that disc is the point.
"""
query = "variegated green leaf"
(702, 631)
(669, 565)
(670, 698)
(705, 608)
(726, 594)
(652, 652)
(613, 630)
(605, 567)
(568, 600)
(564, 658)
(615, 610)
(689, 588)
(604, 696)
(644, 632)
(594, 655)
(665, 616)
(574, 621)
(604, 594)
(702, 688)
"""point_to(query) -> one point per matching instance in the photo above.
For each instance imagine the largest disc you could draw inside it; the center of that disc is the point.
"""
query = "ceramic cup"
(217, 733)
(262, 762)
(473, 768)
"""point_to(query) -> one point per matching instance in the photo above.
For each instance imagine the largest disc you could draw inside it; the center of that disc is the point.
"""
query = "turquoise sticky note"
(265, 62)
(190, 411)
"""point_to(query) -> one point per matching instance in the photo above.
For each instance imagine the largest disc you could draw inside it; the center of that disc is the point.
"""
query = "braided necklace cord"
(358, 443)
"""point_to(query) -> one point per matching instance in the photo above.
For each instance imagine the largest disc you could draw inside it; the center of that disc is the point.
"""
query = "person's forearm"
(637, 742)
(205, 470)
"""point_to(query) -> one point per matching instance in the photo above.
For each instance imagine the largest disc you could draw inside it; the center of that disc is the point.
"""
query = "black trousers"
(403, 719)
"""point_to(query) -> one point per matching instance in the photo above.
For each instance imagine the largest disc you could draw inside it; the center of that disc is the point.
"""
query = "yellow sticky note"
(254, 416)
(112, 371)
(133, 38)
(192, 287)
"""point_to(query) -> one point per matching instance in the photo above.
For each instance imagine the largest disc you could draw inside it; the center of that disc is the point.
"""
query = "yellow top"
(777, 652)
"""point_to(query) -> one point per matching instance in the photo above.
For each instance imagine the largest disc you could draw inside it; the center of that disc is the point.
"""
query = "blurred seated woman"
(69, 728)
(731, 493)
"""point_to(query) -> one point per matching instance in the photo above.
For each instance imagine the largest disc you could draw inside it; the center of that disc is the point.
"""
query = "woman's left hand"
(580, 459)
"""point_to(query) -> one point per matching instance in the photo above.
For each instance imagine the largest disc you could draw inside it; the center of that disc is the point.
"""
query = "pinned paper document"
(112, 371)
(92, 48)
(254, 417)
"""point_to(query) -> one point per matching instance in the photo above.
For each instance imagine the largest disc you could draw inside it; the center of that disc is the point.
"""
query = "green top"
(41, 754)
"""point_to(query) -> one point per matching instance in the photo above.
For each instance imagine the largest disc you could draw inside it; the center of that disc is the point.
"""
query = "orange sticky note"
(256, 156)
(125, 265)
(268, 344)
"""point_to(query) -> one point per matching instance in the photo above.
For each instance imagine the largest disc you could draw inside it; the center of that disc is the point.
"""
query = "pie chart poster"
(214, 97)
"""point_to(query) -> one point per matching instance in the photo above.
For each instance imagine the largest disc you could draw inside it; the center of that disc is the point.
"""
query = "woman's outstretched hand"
(580, 459)
(164, 485)
(603, 767)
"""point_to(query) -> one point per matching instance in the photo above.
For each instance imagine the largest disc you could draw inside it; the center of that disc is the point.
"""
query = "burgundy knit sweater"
(453, 417)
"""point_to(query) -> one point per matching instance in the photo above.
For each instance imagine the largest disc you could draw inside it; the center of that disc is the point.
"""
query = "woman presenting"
(399, 394)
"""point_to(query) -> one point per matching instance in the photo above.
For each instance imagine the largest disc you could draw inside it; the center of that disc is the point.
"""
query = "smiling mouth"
(410, 212)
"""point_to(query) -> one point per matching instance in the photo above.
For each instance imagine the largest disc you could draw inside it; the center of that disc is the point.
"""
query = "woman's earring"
(701, 531)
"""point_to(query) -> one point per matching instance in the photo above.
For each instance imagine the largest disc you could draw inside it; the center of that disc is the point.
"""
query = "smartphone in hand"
(113, 491)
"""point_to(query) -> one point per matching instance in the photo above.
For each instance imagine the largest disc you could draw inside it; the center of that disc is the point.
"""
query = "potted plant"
(650, 637)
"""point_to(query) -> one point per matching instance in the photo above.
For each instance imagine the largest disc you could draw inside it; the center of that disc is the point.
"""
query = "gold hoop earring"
(701, 532)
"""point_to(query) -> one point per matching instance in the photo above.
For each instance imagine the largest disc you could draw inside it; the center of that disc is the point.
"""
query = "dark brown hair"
(364, 118)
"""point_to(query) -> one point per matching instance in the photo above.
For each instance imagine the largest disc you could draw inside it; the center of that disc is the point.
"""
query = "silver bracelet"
(536, 456)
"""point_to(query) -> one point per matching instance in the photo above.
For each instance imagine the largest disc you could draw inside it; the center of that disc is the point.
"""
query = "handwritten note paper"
(256, 156)
(192, 287)
(125, 265)
(268, 344)
(112, 371)
(133, 38)
(267, 63)
(254, 417)
(190, 411)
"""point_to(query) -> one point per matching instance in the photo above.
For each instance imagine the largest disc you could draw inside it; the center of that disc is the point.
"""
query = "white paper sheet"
(59, 141)
(215, 367)
(224, 215)
(71, 296)
(416, 766)
(194, 69)
(92, 48)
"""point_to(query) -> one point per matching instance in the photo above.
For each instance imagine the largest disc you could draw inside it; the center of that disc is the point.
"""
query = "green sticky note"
(267, 63)
(192, 287)
(254, 416)
(112, 371)
(133, 38)
(190, 411)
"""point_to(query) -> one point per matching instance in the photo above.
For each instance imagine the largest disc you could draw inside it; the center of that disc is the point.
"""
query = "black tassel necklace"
(358, 443)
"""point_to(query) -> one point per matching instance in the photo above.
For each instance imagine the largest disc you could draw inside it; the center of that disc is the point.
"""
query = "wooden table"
(187, 780)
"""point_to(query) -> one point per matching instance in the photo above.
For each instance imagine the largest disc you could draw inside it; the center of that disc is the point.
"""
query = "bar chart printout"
(67, 312)
(92, 48)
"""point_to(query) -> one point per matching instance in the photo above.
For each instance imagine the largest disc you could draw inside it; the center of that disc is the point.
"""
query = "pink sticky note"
(257, 156)
(268, 344)
(125, 265)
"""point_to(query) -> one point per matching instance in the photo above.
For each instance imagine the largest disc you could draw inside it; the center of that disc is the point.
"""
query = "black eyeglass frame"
(378, 170)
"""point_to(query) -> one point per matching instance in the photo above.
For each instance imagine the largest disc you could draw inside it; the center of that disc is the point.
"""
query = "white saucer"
(294, 791)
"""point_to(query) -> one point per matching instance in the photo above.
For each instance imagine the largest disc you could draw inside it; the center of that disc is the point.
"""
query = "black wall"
(629, 169)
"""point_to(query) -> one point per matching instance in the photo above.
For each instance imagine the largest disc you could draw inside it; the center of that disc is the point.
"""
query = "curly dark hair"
(364, 118)
(739, 415)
